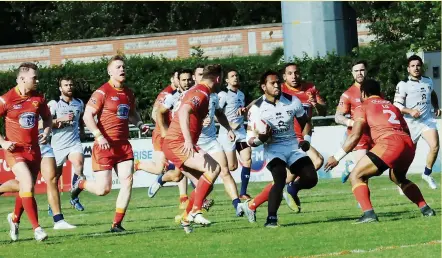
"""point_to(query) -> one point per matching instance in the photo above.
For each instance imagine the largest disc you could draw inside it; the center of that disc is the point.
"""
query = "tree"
(415, 24)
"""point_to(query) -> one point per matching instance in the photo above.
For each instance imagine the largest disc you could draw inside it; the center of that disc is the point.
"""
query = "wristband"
(350, 123)
(340, 154)
(96, 133)
(308, 138)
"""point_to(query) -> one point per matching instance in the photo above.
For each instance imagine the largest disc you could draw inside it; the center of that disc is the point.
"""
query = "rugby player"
(278, 110)
(393, 149)
(114, 105)
(415, 97)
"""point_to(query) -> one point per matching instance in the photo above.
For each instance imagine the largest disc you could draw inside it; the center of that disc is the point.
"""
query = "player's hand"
(415, 113)
(67, 118)
(304, 145)
(188, 149)
(206, 121)
(43, 138)
(331, 163)
(8, 145)
(265, 137)
(437, 113)
(241, 111)
(312, 100)
(103, 143)
(231, 135)
(144, 128)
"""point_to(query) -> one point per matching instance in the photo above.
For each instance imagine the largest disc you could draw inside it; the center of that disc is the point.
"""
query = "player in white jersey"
(278, 110)
(67, 128)
(414, 97)
(232, 102)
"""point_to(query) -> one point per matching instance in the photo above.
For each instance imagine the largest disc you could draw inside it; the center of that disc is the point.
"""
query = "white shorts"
(418, 127)
(62, 154)
(288, 154)
(211, 146)
(46, 151)
(229, 146)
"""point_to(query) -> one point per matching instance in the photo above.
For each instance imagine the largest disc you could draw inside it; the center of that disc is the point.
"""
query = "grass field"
(323, 229)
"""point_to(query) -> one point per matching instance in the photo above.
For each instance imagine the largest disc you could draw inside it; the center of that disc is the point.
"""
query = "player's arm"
(435, 103)
(184, 119)
(253, 139)
(319, 104)
(161, 114)
(343, 109)
(6, 145)
(399, 101)
(222, 119)
(46, 117)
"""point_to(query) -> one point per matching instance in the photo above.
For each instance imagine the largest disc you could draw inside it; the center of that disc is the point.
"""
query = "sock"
(160, 180)
(201, 191)
(261, 198)
(235, 202)
(191, 201)
(245, 177)
(74, 179)
(119, 215)
(18, 209)
(58, 217)
(272, 216)
(183, 198)
(427, 171)
(362, 194)
(293, 188)
(414, 194)
(30, 206)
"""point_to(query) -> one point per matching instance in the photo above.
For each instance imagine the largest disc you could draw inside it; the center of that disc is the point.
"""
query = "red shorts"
(172, 150)
(396, 151)
(157, 140)
(365, 143)
(107, 159)
(30, 155)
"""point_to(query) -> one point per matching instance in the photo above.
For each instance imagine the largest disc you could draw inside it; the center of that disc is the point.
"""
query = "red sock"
(414, 194)
(119, 215)
(191, 201)
(30, 206)
(261, 198)
(18, 209)
(201, 192)
(362, 194)
(183, 198)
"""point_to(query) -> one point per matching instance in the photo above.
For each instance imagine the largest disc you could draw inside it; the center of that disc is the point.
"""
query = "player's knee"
(318, 162)
(233, 167)
(104, 190)
(310, 180)
(225, 172)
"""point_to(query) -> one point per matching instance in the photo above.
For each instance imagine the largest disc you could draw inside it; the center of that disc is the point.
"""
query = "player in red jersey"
(21, 108)
(350, 100)
(393, 149)
(180, 147)
(114, 105)
(310, 98)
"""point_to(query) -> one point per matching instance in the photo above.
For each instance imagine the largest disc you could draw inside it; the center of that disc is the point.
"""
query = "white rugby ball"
(260, 126)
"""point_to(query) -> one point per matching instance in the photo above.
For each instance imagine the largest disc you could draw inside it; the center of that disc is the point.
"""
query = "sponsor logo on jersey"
(123, 111)
(18, 106)
(27, 120)
(35, 103)
(115, 98)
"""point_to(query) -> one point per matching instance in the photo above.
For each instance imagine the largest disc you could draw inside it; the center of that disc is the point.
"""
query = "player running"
(414, 98)
(180, 143)
(277, 110)
(67, 128)
(393, 149)
(21, 107)
(309, 96)
(350, 100)
(232, 102)
(114, 105)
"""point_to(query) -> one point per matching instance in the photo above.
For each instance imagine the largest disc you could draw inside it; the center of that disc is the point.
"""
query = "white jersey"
(171, 101)
(279, 116)
(69, 135)
(208, 133)
(415, 95)
(230, 101)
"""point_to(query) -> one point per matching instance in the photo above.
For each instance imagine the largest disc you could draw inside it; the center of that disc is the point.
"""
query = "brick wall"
(240, 41)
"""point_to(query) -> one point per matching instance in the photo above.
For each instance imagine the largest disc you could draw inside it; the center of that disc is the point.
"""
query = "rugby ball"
(260, 126)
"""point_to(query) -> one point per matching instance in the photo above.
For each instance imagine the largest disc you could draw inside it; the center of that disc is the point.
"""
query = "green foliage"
(147, 76)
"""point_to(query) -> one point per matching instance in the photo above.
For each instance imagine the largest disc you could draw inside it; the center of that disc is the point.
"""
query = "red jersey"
(21, 115)
(306, 90)
(382, 117)
(114, 106)
(198, 98)
(160, 100)
(350, 100)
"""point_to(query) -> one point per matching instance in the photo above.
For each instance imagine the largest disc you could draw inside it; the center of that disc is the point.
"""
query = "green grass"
(324, 227)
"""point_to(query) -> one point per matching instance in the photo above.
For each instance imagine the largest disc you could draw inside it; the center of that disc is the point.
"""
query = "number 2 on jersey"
(392, 119)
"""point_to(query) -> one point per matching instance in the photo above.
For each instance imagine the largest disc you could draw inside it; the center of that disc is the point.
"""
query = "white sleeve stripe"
(2, 100)
(344, 95)
(100, 91)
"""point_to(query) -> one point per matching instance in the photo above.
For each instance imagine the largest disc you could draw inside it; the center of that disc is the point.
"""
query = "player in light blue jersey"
(232, 102)
(67, 128)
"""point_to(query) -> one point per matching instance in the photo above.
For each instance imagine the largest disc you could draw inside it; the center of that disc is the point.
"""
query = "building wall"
(238, 41)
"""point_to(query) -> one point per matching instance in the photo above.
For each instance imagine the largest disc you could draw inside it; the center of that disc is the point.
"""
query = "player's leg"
(10, 186)
(370, 165)
(357, 155)
(101, 186)
(124, 171)
(182, 188)
(245, 153)
(278, 169)
(432, 138)
(173, 175)
(75, 156)
(158, 167)
(51, 175)
(249, 207)
(306, 178)
(291, 198)
(316, 157)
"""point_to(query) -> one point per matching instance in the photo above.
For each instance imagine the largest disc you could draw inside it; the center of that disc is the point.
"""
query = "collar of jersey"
(205, 84)
(18, 92)
(413, 80)
(271, 103)
(118, 89)
(293, 88)
(230, 89)
(374, 96)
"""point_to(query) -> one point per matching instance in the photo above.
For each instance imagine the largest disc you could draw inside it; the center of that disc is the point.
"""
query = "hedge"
(148, 75)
